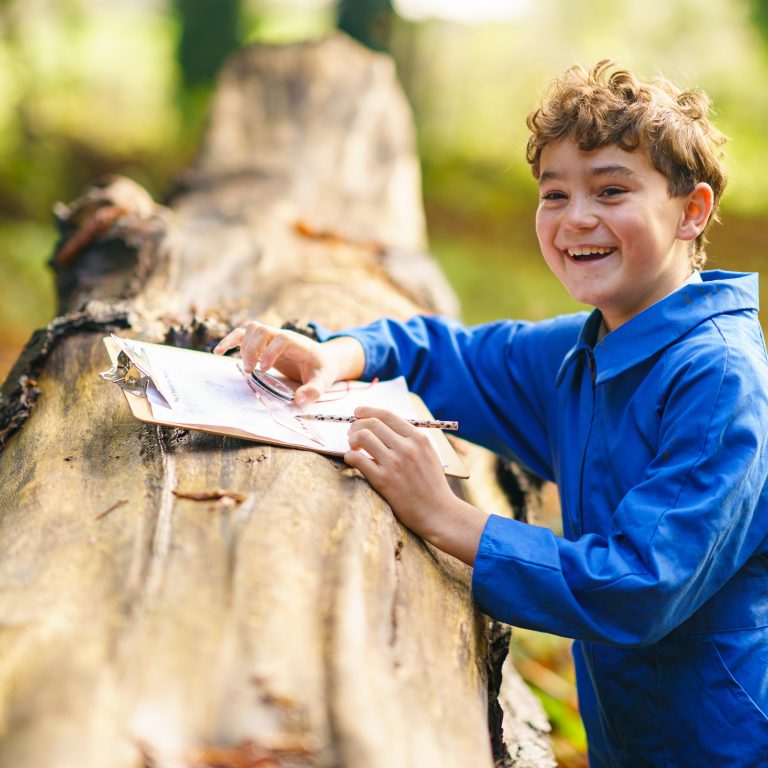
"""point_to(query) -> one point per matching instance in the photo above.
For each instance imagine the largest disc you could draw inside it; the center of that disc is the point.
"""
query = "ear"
(696, 213)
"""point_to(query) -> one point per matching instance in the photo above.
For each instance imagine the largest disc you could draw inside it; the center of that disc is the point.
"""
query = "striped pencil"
(421, 423)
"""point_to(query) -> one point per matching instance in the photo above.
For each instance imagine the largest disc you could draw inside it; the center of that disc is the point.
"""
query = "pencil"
(424, 423)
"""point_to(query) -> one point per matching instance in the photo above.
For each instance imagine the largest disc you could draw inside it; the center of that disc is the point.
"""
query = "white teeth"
(588, 251)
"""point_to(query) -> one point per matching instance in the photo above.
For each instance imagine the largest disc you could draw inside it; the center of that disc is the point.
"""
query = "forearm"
(456, 528)
(346, 355)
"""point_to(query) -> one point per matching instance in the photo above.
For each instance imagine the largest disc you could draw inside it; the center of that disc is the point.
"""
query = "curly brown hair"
(605, 106)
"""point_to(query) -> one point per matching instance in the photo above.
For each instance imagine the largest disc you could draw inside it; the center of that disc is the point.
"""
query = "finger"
(367, 466)
(383, 432)
(392, 421)
(230, 341)
(370, 442)
(311, 391)
(256, 337)
(273, 350)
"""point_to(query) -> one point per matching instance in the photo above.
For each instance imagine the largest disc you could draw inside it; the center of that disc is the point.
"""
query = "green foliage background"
(89, 87)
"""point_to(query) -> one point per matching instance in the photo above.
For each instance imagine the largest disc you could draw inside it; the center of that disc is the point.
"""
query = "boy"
(650, 413)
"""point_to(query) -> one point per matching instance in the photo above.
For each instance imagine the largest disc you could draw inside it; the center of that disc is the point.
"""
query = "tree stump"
(150, 616)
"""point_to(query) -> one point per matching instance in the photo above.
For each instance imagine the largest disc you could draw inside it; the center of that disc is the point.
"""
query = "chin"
(584, 297)
(593, 293)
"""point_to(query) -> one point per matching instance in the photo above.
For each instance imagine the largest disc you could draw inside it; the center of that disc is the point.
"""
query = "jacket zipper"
(593, 379)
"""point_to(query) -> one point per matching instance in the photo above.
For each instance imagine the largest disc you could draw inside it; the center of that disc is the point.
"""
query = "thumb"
(310, 391)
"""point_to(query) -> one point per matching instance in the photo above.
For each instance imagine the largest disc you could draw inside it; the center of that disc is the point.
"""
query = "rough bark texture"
(171, 598)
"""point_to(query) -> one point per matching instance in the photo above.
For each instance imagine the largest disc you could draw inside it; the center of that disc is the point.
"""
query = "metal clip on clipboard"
(127, 376)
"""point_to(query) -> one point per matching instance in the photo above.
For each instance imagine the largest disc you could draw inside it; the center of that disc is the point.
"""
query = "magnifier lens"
(272, 385)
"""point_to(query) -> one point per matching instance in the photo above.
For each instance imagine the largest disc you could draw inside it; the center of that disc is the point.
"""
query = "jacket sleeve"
(496, 380)
(697, 516)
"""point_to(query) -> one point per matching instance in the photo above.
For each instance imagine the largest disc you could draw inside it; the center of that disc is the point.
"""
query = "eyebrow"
(600, 170)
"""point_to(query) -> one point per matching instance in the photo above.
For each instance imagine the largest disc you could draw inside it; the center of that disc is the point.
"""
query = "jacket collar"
(663, 323)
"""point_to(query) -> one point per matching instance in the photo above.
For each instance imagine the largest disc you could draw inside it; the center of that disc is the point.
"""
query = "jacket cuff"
(514, 565)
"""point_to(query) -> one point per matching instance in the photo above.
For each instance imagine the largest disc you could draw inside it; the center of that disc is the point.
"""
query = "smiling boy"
(609, 231)
(649, 413)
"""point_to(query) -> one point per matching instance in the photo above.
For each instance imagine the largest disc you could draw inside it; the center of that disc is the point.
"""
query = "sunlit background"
(89, 87)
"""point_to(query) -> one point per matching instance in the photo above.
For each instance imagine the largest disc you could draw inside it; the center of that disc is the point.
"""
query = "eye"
(612, 191)
(553, 195)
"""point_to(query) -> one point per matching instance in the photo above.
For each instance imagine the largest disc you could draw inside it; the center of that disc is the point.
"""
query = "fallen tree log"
(172, 598)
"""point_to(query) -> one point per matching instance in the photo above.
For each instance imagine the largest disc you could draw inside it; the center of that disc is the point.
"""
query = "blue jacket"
(657, 439)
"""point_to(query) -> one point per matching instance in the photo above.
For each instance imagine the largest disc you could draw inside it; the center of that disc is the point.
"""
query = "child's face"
(609, 229)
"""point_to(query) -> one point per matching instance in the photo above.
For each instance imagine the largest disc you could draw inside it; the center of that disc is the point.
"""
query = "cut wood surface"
(172, 598)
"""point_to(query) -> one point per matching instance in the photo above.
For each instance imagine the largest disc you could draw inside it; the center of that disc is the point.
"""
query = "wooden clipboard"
(141, 410)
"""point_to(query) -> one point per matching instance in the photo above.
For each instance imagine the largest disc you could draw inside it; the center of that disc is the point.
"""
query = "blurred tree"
(759, 10)
(369, 21)
(209, 33)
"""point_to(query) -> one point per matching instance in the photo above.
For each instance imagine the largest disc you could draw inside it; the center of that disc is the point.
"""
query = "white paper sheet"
(201, 389)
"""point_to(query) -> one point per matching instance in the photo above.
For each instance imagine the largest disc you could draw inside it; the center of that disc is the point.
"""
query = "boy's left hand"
(406, 470)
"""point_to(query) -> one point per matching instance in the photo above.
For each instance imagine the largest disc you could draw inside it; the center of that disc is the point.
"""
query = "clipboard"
(133, 383)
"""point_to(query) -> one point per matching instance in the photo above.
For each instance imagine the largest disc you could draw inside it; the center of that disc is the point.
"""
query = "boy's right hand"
(317, 366)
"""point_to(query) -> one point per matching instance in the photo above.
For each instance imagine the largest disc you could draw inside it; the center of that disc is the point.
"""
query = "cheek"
(545, 232)
(632, 227)
(554, 260)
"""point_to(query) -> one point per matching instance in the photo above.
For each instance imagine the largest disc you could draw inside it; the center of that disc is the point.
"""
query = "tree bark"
(301, 626)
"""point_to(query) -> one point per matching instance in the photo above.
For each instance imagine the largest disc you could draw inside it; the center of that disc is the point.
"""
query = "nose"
(580, 214)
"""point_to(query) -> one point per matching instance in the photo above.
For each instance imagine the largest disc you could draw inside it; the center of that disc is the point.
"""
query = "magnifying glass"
(268, 383)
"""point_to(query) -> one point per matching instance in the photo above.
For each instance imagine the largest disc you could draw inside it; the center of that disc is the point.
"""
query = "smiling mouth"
(588, 254)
